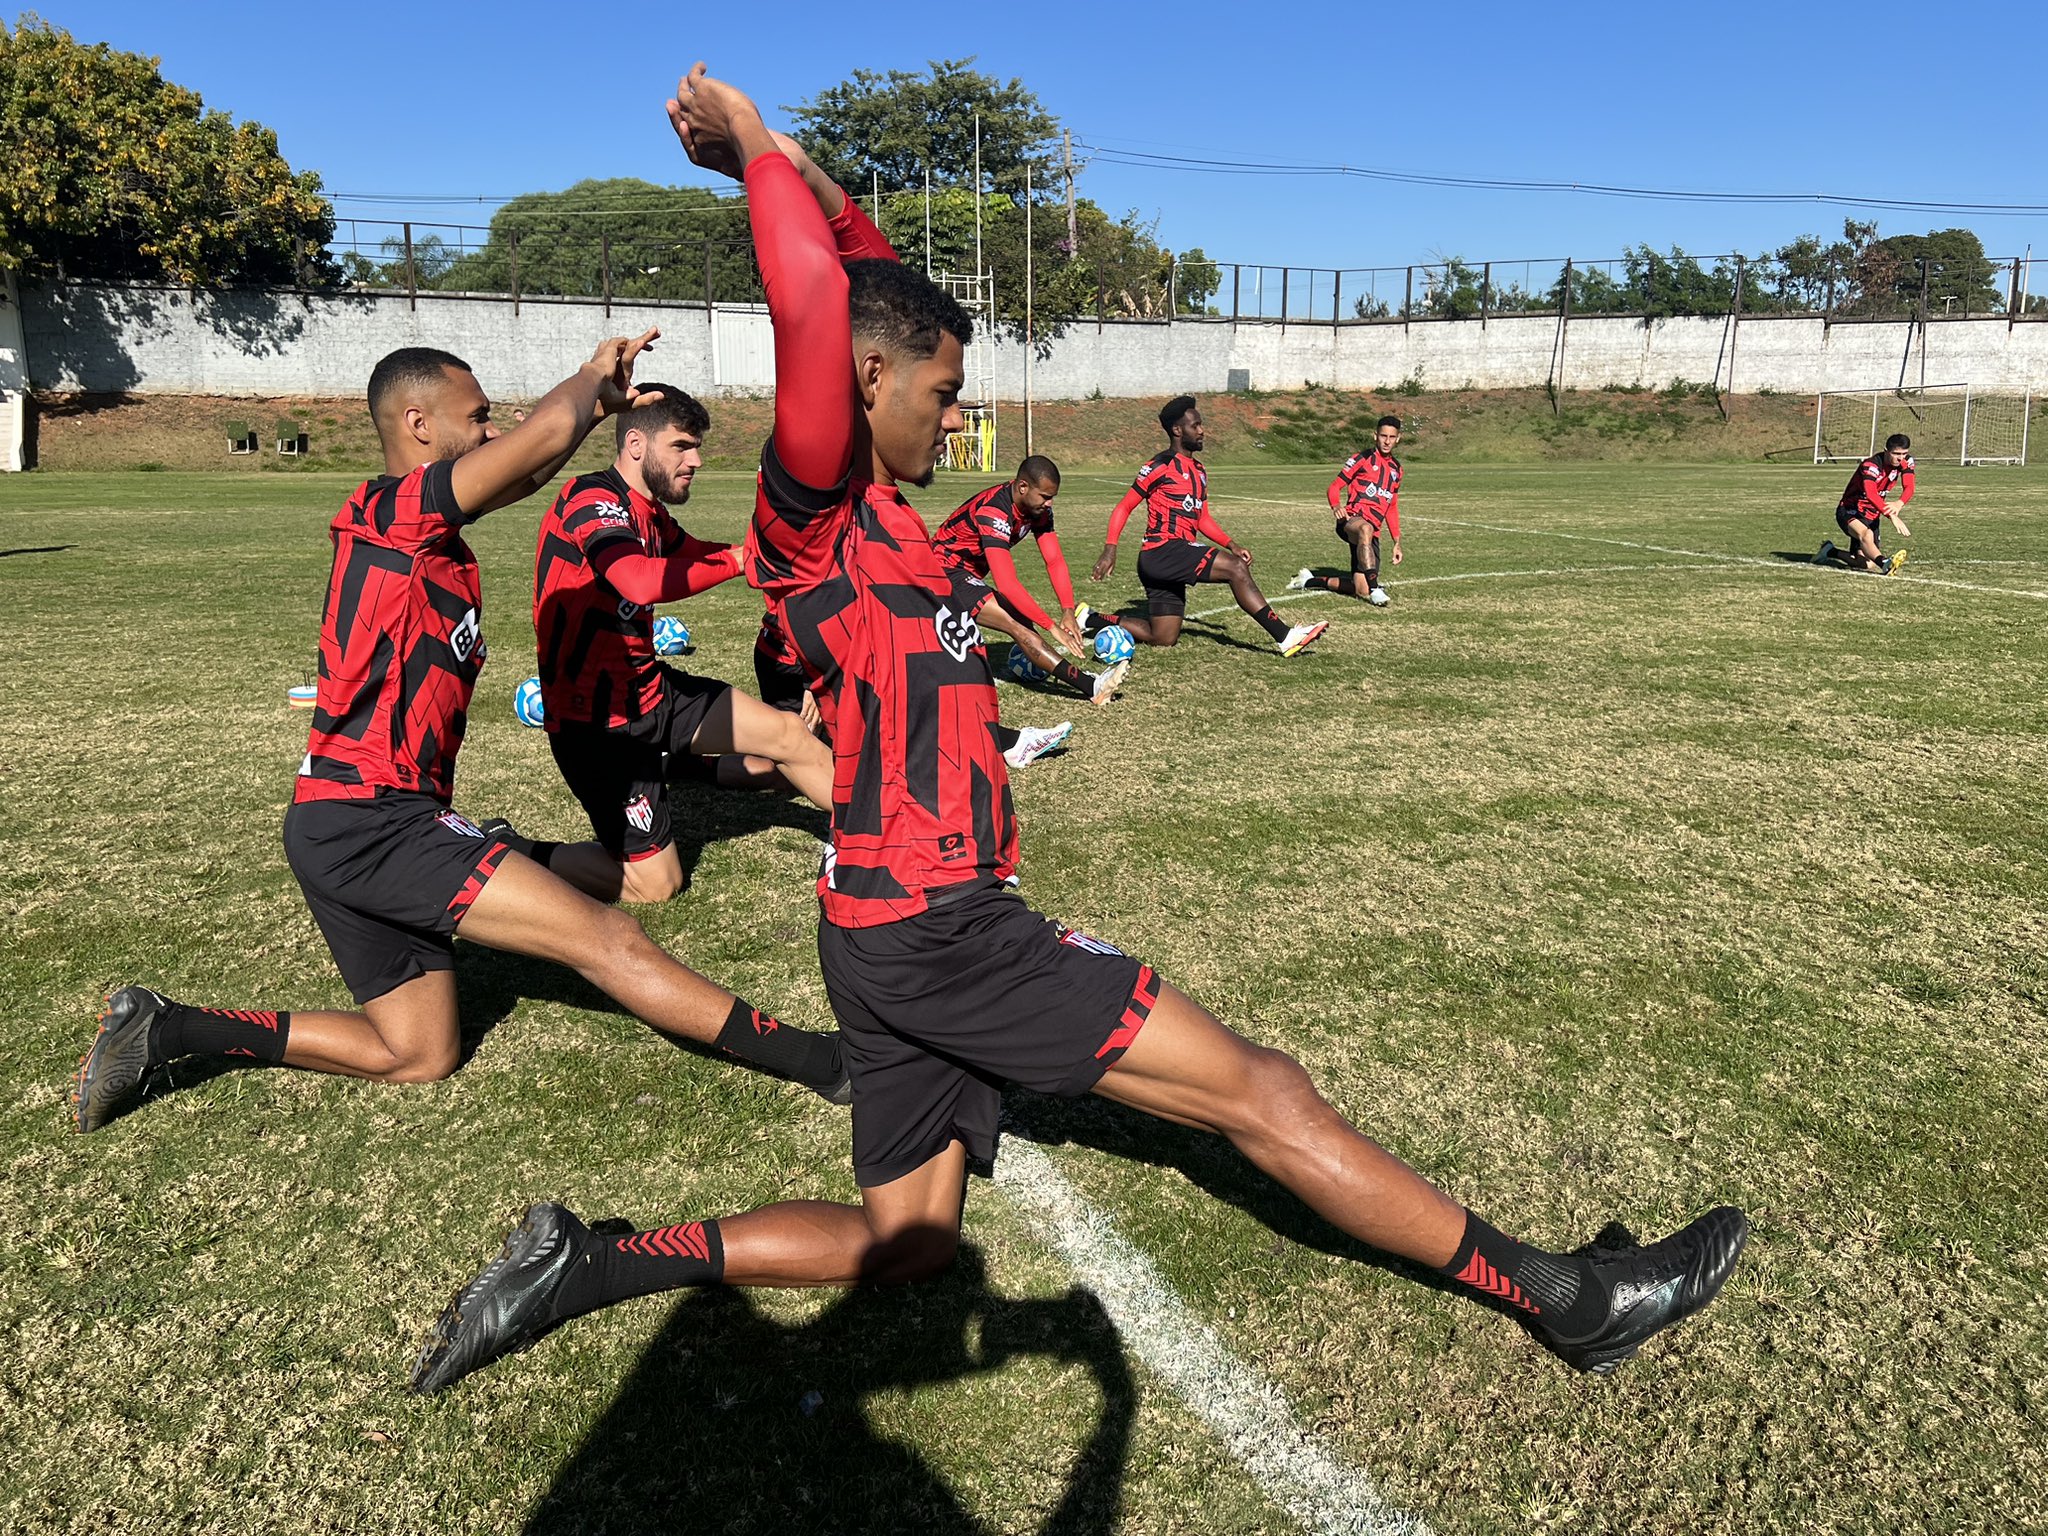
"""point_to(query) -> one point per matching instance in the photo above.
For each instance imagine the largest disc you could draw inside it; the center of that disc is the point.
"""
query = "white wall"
(13, 377)
(169, 341)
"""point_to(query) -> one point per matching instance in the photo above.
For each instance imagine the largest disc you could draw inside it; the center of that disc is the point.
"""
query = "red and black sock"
(640, 1264)
(799, 1054)
(182, 1030)
(1072, 675)
(1271, 622)
(1559, 1288)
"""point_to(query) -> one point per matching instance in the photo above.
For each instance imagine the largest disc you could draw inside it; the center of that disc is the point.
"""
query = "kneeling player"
(1366, 496)
(1863, 504)
(1174, 490)
(946, 986)
(619, 720)
(391, 871)
(975, 543)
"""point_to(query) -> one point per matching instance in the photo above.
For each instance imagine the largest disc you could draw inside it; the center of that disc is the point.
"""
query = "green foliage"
(895, 125)
(112, 172)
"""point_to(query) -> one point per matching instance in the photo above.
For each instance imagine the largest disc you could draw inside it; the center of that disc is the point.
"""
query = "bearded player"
(946, 986)
(391, 871)
(1173, 488)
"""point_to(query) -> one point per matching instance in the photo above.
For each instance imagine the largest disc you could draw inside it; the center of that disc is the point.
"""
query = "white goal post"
(1948, 423)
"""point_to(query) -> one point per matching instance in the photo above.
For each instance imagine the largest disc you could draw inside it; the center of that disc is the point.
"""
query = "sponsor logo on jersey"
(1000, 527)
(455, 821)
(1074, 938)
(464, 637)
(640, 814)
(956, 632)
(629, 609)
(610, 512)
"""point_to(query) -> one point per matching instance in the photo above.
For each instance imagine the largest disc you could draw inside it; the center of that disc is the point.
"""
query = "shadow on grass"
(735, 1422)
(702, 813)
(1795, 556)
(39, 549)
(1205, 629)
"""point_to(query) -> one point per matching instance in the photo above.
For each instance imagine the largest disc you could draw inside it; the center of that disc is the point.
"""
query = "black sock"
(1072, 675)
(640, 1264)
(1271, 623)
(802, 1055)
(182, 1030)
(1341, 585)
(1557, 1287)
(1006, 736)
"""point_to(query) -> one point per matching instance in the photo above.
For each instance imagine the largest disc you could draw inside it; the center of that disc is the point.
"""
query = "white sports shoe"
(1301, 637)
(1378, 597)
(1107, 682)
(1082, 614)
(1300, 579)
(1034, 741)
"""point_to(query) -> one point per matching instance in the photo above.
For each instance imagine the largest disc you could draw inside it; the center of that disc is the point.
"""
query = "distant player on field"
(1863, 504)
(1366, 496)
(947, 986)
(1173, 488)
(975, 543)
(619, 719)
(390, 869)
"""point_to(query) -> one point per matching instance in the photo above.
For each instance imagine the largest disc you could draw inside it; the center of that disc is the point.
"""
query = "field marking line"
(1252, 1417)
(1424, 581)
(1665, 549)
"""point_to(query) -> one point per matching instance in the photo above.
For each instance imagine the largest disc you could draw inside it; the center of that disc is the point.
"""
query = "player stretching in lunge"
(1863, 504)
(390, 869)
(945, 985)
(975, 542)
(1366, 496)
(1174, 490)
(618, 718)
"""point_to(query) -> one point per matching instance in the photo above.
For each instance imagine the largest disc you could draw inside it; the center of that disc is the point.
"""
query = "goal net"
(974, 447)
(1948, 424)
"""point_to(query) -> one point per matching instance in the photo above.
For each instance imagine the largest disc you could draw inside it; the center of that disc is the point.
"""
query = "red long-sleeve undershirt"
(1056, 568)
(1002, 574)
(646, 579)
(799, 253)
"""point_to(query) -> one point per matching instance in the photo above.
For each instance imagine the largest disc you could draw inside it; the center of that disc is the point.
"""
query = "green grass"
(1555, 881)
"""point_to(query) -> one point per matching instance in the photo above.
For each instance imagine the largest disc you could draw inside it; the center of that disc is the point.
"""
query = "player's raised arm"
(512, 467)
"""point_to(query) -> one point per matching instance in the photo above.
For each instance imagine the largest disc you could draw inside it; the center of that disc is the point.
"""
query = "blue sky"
(1861, 100)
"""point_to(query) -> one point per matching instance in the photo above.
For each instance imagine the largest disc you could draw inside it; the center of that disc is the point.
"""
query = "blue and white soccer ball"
(1023, 668)
(526, 702)
(1114, 644)
(671, 636)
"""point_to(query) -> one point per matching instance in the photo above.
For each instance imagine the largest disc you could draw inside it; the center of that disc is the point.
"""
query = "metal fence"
(701, 260)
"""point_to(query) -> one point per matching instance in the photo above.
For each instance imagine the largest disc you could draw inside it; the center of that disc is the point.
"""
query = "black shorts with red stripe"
(1166, 571)
(939, 1011)
(388, 879)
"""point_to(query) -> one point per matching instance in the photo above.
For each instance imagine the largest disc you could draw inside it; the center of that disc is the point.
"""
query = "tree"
(114, 173)
(894, 126)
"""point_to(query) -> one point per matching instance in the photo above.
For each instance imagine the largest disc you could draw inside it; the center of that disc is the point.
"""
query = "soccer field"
(1625, 865)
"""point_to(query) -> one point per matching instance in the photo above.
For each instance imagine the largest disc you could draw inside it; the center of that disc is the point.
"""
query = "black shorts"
(388, 880)
(620, 772)
(1373, 527)
(1167, 570)
(781, 683)
(937, 1012)
(1848, 519)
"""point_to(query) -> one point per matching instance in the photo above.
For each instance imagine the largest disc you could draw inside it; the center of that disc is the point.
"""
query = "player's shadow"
(735, 1422)
(702, 813)
(39, 549)
(1794, 556)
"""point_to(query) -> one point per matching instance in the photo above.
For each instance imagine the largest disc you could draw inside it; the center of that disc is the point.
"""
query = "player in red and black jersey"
(1863, 504)
(975, 543)
(1173, 488)
(946, 986)
(1366, 496)
(391, 870)
(618, 718)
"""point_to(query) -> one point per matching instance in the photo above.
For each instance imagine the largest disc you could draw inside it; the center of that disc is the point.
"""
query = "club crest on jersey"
(1190, 503)
(455, 821)
(464, 637)
(956, 632)
(628, 609)
(1074, 938)
(640, 814)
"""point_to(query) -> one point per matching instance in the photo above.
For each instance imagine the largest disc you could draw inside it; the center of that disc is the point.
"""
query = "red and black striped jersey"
(1175, 490)
(988, 518)
(597, 661)
(1864, 494)
(773, 640)
(401, 643)
(920, 792)
(1369, 486)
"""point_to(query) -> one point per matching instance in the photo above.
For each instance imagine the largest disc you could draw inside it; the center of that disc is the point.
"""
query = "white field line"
(1665, 549)
(1423, 581)
(1248, 1413)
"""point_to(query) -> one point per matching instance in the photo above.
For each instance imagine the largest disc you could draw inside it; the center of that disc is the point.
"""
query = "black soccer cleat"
(1650, 1288)
(118, 1060)
(510, 1305)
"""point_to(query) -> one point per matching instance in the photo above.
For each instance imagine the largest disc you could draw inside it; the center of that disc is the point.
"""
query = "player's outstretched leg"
(1096, 687)
(552, 1268)
(1594, 1308)
(1230, 568)
(1026, 745)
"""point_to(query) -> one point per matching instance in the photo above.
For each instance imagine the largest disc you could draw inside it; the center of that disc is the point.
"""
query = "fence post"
(1485, 291)
(412, 292)
(2012, 296)
(1827, 304)
(1101, 304)
(1336, 296)
(1285, 273)
(1564, 319)
(1172, 274)
(1237, 280)
(1734, 334)
(512, 244)
(1408, 304)
(604, 261)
